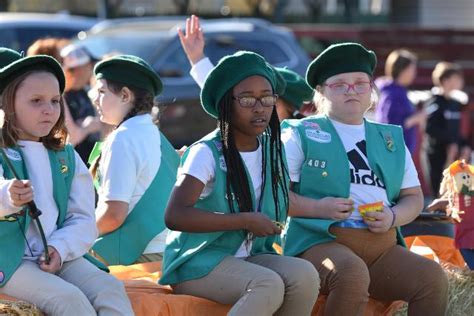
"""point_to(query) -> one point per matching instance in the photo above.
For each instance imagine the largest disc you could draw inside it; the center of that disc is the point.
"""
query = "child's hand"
(193, 40)
(20, 192)
(54, 261)
(438, 204)
(379, 222)
(260, 224)
(336, 208)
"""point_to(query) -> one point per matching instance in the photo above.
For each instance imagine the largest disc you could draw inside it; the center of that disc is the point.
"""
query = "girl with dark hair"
(230, 199)
(137, 166)
(42, 262)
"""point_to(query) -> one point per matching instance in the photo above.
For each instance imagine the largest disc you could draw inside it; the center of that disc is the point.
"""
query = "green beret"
(338, 59)
(131, 71)
(31, 63)
(297, 90)
(8, 56)
(231, 70)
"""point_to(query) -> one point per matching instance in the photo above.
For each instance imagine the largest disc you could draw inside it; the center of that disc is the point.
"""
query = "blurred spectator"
(52, 47)
(394, 107)
(443, 127)
(78, 65)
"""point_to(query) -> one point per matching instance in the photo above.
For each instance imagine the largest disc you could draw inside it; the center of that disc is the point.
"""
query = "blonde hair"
(55, 140)
(444, 70)
(397, 61)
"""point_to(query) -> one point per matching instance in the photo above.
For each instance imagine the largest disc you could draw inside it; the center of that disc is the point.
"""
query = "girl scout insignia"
(64, 167)
(389, 143)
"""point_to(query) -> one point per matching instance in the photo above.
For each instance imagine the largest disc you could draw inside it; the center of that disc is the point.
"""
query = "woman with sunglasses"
(353, 184)
(230, 196)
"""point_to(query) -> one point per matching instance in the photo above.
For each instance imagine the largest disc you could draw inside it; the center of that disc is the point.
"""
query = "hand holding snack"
(377, 217)
(370, 208)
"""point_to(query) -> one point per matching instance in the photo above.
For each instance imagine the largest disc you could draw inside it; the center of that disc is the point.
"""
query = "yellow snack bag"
(370, 207)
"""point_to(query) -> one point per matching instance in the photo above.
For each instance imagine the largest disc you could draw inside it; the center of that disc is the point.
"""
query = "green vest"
(127, 243)
(325, 172)
(190, 256)
(14, 226)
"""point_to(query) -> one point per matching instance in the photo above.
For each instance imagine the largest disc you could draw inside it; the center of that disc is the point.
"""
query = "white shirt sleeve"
(200, 164)
(294, 152)
(6, 206)
(118, 172)
(200, 70)
(410, 178)
(79, 230)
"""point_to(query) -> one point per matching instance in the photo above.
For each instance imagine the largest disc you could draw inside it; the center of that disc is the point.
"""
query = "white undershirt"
(361, 193)
(79, 229)
(200, 164)
(130, 160)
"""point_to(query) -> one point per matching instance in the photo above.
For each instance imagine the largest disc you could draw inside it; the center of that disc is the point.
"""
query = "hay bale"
(18, 308)
(461, 292)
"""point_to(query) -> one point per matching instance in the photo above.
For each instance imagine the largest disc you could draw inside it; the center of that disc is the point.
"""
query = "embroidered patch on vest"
(222, 164)
(218, 145)
(312, 125)
(13, 154)
(64, 167)
(318, 135)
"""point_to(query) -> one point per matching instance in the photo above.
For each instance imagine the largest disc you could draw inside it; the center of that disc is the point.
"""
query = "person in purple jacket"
(394, 107)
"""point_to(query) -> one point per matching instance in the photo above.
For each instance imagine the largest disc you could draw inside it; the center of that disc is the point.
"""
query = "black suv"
(156, 41)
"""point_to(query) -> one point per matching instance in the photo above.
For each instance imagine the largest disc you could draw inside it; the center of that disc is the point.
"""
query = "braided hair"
(237, 184)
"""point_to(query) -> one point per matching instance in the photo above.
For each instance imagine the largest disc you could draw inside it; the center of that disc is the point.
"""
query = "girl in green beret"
(230, 199)
(354, 183)
(135, 168)
(43, 257)
(297, 92)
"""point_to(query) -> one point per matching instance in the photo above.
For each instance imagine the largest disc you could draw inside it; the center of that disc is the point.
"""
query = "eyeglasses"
(359, 87)
(250, 102)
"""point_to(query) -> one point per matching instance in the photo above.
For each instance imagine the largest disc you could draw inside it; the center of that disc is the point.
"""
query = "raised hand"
(192, 40)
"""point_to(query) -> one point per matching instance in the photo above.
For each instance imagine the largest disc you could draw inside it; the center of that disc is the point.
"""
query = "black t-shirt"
(80, 107)
(443, 125)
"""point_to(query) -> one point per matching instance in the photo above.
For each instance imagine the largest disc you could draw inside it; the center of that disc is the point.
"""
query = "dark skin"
(247, 124)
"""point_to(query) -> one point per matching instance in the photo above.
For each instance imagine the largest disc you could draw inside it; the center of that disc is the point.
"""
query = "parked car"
(20, 30)
(156, 41)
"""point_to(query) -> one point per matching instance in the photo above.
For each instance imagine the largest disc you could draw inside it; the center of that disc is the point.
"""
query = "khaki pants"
(79, 288)
(360, 263)
(259, 285)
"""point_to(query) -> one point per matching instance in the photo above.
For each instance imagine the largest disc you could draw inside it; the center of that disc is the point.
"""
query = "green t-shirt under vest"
(321, 142)
(127, 243)
(190, 256)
